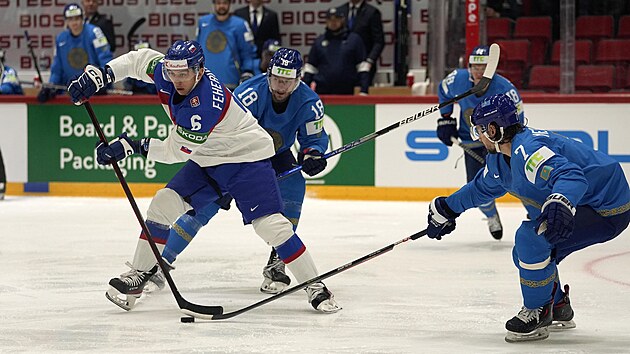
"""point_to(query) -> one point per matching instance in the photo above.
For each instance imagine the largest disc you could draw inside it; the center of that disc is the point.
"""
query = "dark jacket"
(107, 26)
(367, 24)
(268, 28)
(333, 63)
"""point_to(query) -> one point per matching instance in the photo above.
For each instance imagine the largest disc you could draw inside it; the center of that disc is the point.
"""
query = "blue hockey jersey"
(460, 81)
(10, 84)
(303, 117)
(72, 53)
(543, 163)
(228, 47)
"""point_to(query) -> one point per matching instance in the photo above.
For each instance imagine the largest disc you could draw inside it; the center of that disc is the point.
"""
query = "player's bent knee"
(166, 206)
(274, 229)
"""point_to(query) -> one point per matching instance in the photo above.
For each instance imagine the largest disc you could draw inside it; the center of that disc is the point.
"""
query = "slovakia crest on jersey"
(194, 102)
(185, 150)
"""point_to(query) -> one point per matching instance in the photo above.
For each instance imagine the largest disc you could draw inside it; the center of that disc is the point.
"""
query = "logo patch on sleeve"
(152, 65)
(535, 161)
(99, 42)
(185, 150)
(545, 172)
(197, 138)
(315, 127)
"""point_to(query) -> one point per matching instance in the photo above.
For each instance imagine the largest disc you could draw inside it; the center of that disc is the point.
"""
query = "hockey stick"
(181, 302)
(64, 88)
(132, 31)
(493, 61)
(30, 49)
(468, 150)
(343, 268)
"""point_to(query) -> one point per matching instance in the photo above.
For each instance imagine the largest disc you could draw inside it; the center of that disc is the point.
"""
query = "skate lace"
(526, 315)
(314, 290)
(276, 265)
(132, 277)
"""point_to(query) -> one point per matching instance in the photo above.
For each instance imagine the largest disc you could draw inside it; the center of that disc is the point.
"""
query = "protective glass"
(282, 84)
(180, 74)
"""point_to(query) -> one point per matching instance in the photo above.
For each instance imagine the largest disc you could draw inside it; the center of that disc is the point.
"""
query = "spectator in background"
(9, 82)
(365, 20)
(101, 21)
(77, 46)
(269, 48)
(228, 45)
(336, 62)
(504, 8)
(263, 22)
(139, 87)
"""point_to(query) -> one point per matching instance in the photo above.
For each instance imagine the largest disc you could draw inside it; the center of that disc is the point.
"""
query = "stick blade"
(493, 61)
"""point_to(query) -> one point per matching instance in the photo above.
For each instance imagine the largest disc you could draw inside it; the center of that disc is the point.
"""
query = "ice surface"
(425, 296)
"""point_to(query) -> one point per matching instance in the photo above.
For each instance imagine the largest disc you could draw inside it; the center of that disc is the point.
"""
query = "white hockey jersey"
(211, 126)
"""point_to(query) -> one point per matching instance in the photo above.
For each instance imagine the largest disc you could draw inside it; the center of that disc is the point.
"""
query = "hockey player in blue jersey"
(228, 44)
(582, 196)
(456, 83)
(286, 108)
(9, 82)
(226, 152)
(77, 46)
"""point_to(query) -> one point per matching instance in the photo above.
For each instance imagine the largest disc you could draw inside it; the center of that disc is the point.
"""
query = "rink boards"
(50, 148)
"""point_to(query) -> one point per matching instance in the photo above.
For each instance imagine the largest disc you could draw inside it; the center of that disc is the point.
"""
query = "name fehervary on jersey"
(218, 97)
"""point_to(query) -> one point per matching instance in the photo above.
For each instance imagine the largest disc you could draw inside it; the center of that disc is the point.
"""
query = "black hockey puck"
(187, 319)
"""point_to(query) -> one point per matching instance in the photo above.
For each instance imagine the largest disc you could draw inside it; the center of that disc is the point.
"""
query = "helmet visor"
(178, 70)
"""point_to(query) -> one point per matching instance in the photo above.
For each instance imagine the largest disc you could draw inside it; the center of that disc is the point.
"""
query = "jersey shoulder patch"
(152, 64)
(535, 161)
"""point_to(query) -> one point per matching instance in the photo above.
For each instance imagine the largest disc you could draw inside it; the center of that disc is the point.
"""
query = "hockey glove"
(556, 219)
(45, 94)
(120, 148)
(84, 86)
(311, 161)
(246, 75)
(441, 219)
(447, 128)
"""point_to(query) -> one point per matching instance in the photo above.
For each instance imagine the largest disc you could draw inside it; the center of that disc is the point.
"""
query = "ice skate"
(125, 290)
(321, 298)
(275, 279)
(158, 280)
(529, 324)
(563, 313)
(495, 227)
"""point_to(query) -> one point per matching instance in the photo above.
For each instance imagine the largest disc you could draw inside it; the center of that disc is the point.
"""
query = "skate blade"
(557, 326)
(272, 287)
(538, 334)
(328, 307)
(126, 304)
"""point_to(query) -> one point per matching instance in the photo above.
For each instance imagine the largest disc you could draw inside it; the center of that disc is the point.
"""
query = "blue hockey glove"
(311, 161)
(447, 129)
(45, 94)
(120, 148)
(84, 86)
(441, 219)
(556, 219)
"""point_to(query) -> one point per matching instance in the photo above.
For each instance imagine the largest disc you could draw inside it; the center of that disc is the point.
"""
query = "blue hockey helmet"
(183, 55)
(498, 109)
(479, 55)
(286, 63)
(72, 10)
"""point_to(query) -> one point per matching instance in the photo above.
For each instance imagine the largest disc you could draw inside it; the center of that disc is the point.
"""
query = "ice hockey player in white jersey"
(219, 140)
